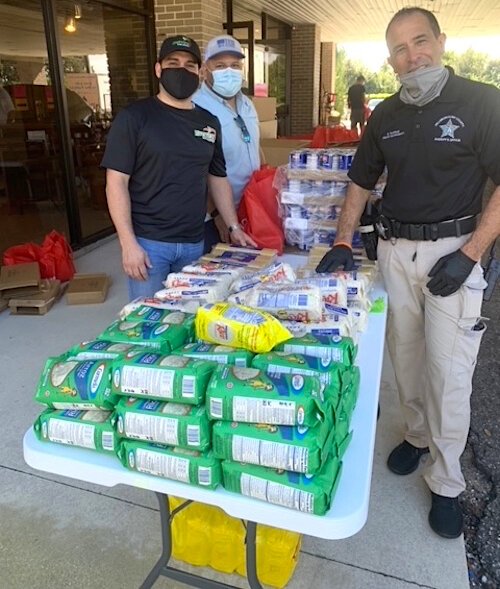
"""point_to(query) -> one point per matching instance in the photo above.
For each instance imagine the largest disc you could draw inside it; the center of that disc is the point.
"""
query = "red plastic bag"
(323, 136)
(54, 256)
(22, 254)
(258, 212)
(57, 250)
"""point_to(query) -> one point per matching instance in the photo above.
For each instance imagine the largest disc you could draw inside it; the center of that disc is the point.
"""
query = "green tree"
(492, 73)
(340, 81)
(384, 81)
(451, 58)
(472, 64)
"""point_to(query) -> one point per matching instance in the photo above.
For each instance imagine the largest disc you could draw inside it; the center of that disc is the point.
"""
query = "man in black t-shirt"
(356, 102)
(162, 155)
(439, 138)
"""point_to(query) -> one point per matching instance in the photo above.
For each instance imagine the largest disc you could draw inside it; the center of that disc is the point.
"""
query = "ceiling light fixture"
(78, 11)
(70, 25)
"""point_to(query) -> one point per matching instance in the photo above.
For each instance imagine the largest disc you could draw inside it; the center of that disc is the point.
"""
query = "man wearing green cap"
(163, 154)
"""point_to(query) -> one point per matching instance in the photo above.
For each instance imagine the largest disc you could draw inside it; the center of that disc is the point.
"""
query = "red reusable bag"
(22, 254)
(56, 250)
(258, 212)
(54, 256)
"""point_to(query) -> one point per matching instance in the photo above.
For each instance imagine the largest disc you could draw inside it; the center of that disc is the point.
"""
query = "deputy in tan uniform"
(439, 137)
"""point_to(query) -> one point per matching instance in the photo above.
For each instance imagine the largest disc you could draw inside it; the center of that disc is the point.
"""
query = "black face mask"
(179, 82)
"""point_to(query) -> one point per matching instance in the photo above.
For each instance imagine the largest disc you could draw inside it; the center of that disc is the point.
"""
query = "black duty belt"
(391, 228)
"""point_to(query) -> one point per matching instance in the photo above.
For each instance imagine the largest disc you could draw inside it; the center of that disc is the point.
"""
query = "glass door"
(272, 67)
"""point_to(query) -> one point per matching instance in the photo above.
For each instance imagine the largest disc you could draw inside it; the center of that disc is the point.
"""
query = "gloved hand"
(339, 255)
(449, 273)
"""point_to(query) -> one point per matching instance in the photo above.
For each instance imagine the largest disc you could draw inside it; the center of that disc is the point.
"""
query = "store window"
(105, 68)
(104, 51)
(31, 189)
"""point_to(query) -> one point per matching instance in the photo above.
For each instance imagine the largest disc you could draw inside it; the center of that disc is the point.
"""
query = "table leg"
(166, 542)
(251, 548)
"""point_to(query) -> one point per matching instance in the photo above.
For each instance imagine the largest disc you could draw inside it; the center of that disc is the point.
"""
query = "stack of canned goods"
(318, 187)
(314, 186)
(306, 233)
(333, 159)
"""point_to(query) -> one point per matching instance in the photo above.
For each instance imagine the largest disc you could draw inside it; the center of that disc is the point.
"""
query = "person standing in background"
(221, 95)
(356, 102)
(163, 153)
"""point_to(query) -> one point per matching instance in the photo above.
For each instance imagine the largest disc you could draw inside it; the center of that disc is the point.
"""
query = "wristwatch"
(235, 227)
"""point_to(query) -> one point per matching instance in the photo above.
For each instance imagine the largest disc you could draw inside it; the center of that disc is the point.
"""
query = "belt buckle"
(417, 232)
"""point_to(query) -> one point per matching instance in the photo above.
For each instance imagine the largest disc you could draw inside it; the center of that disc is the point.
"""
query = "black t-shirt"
(356, 96)
(168, 154)
(438, 156)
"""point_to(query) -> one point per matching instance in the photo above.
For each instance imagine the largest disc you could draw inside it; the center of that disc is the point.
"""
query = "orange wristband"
(343, 243)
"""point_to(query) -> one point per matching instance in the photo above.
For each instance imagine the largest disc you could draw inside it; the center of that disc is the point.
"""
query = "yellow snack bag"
(240, 327)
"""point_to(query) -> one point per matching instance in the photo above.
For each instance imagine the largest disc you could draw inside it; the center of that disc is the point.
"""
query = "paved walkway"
(58, 533)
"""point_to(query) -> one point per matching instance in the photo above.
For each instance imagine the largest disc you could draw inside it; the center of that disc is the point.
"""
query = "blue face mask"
(227, 82)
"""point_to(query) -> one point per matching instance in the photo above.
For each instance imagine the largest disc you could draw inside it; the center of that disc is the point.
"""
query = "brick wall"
(199, 19)
(327, 77)
(306, 60)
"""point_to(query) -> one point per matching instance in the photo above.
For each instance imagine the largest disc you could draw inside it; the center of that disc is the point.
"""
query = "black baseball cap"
(179, 43)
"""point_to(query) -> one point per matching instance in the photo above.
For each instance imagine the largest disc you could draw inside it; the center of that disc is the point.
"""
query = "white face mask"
(227, 82)
(422, 86)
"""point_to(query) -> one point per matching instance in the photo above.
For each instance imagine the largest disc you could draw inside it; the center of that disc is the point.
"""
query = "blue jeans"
(165, 257)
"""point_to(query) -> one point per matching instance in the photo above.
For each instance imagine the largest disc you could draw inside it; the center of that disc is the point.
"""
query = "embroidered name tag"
(393, 134)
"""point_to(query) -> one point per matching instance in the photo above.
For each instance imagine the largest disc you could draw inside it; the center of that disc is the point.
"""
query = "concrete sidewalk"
(58, 533)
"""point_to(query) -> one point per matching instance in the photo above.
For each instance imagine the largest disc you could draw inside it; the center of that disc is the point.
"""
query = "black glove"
(339, 255)
(449, 273)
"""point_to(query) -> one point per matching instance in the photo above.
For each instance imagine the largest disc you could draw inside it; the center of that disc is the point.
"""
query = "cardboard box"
(268, 129)
(19, 279)
(276, 151)
(265, 107)
(39, 303)
(87, 289)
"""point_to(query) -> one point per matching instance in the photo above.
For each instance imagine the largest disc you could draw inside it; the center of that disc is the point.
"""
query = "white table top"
(349, 509)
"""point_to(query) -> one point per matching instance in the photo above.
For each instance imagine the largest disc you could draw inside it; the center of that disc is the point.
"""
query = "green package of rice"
(99, 350)
(326, 370)
(171, 424)
(177, 464)
(92, 429)
(335, 348)
(251, 396)
(159, 336)
(350, 390)
(343, 434)
(290, 489)
(166, 316)
(72, 384)
(217, 353)
(156, 376)
(298, 449)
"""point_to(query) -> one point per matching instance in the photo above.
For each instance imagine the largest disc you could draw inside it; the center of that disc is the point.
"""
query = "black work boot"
(404, 458)
(445, 516)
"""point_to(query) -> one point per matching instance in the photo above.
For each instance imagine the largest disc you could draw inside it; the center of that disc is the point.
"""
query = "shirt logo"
(393, 134)
(208, 134)
(448, 126)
